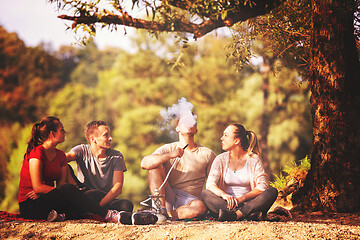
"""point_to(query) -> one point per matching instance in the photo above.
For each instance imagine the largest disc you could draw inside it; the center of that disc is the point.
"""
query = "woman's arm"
(64, 172)
(231, 200)
(214, 174)
(260, 178)
(35, 168)
(216, 190)
(250, 195)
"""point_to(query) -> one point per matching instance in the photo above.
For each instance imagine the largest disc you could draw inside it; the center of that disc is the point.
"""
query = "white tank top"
(237, 183)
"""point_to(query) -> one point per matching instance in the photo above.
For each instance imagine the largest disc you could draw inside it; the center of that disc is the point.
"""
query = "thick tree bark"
(333, 182)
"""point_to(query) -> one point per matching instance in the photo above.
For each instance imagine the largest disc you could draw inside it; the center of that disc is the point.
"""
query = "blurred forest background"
(128, 90)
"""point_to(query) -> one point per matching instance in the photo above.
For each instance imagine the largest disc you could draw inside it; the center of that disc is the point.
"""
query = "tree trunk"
(265, 119)
(333, 182)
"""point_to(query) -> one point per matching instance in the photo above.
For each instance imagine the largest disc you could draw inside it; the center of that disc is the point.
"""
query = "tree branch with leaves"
(194, 17)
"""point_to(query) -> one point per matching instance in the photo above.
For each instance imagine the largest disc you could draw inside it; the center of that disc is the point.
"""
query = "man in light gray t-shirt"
(95, 173)
(100, 168)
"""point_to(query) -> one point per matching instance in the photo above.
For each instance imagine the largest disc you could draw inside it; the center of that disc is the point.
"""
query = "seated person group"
(237, 185)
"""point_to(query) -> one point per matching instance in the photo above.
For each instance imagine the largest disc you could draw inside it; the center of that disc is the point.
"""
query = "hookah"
(155, 198)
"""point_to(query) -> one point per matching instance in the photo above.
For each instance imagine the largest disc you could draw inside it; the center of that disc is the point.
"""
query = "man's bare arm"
(155, 160)
(116, 190)
(70, 156)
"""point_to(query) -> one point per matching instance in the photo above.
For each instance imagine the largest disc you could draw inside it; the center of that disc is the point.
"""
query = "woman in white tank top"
(237, 186)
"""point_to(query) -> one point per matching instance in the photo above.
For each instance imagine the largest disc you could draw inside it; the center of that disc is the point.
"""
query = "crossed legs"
(194, 208)
(261, 203)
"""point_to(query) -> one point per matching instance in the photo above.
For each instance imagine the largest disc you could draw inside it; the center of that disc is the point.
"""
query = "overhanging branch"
(241, 13)
(198, 30)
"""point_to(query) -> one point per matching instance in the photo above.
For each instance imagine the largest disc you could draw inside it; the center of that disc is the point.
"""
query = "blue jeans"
(261, 203)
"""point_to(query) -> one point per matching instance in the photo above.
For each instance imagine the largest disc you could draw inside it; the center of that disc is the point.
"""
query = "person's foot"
(143, 218)
(282, 211)
(164, 212)
(161, 214)
(114, 216)
(54, 216)
(256, 216)
(226, 215)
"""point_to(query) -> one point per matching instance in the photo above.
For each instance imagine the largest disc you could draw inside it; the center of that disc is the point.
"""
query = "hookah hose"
(168, 174)
(156, 195)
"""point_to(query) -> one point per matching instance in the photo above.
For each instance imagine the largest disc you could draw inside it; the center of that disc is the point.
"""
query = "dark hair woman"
(43, 165)
(237, 186)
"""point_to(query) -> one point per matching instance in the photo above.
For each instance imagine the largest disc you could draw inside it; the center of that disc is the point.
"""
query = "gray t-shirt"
(97, 173)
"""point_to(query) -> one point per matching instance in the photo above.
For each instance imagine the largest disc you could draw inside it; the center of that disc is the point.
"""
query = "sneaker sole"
(123, 220)
(134, 223)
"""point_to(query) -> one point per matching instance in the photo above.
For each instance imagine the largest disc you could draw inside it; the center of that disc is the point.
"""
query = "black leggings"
(97, 195)
(261, 203)
(64, 199)
(117, 204)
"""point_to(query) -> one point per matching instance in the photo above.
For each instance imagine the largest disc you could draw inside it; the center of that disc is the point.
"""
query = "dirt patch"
(311, 226)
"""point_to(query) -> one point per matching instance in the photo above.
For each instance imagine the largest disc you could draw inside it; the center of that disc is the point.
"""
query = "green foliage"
(279, 182)
(135, 188)
(305, 163)
(10, 203)
(290, 172)
(76, 105)
(8, 142)
(91, 61)
(283, 32)
(136, 136)
(28, 78)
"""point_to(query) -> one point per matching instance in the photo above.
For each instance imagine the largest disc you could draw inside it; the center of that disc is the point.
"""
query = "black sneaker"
(226, 215)
(125, 217)
(55, 217)
(143, 218)
(114, 216)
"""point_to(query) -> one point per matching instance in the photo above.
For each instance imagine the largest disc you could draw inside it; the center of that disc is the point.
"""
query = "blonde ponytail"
(253, 143)
(248, 139)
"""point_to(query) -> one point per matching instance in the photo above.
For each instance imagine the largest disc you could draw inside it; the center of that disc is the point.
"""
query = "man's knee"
(95, 194)
(126, 205)
(198, 207)
(121, 205)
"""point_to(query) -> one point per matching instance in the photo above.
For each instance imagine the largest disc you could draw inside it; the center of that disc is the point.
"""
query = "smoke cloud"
(181, 110)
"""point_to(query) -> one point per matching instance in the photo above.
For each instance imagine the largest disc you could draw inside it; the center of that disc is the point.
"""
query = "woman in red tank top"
(43, 191)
